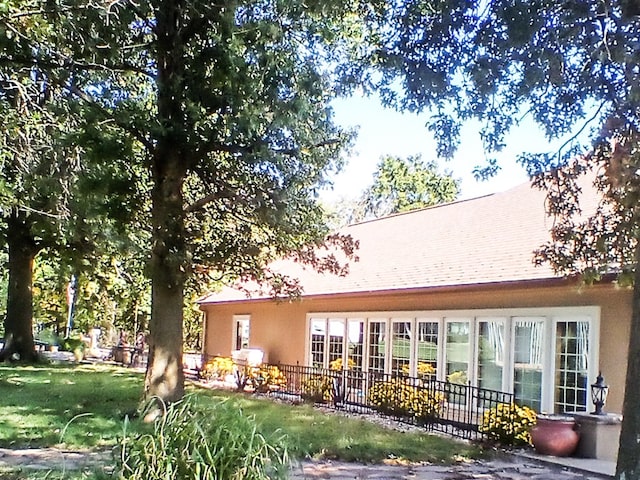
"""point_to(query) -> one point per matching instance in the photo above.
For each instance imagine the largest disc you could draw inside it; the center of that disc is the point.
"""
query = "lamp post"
(599, 391)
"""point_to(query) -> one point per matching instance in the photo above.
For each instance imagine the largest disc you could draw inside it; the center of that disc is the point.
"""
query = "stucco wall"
(280, 328)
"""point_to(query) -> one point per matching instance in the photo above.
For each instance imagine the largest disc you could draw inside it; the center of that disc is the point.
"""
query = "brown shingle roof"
(486, 240)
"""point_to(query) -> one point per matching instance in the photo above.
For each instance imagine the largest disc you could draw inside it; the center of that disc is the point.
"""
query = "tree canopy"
(572, 67)
(401, 185)
(228, 107)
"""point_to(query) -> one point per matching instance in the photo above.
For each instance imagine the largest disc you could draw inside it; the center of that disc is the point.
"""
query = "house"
(455, 287)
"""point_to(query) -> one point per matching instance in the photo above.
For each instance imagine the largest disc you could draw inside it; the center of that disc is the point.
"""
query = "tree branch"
(215, 146)
(137, 134)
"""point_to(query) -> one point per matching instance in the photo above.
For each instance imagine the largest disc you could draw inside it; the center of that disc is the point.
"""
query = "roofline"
(430, 207)
(541, 282)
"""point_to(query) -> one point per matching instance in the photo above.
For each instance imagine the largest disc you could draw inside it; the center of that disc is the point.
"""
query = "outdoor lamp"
(599, 393)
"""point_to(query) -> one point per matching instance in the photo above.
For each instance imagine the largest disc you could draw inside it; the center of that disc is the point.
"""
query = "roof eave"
(503, 285)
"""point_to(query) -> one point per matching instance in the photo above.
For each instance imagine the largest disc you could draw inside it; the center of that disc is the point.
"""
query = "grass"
(314, 433)
(83, 406)
(86, 403)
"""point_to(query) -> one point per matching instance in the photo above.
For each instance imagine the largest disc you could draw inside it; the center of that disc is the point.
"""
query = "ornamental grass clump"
(210, 441)
(396, 397)
(509, 424)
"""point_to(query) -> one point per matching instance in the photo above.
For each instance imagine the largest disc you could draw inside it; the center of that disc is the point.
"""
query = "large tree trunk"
(18, 324)
(165, 377)
(628, 466)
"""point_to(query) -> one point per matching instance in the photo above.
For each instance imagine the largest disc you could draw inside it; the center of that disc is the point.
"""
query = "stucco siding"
(280, 329)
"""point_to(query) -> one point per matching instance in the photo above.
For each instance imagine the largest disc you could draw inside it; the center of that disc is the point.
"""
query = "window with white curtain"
(544, 358)
(491, 353)
(528, 350)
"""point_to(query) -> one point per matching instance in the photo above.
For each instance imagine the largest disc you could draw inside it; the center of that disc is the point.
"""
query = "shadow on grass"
(313, 433)
(83, 406)
(84, 403)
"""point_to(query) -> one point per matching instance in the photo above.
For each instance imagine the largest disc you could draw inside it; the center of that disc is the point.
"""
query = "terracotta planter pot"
(555, 436)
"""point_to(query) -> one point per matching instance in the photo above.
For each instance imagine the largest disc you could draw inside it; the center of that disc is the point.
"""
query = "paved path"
(53, 458)
(515, 468)
(508, 468)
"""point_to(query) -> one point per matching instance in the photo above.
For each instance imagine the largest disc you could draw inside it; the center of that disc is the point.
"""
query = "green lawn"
(314, 433)
(79, 406)
(85, 405)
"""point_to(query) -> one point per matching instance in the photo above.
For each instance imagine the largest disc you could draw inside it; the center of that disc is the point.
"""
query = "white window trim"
(551, 315)
(236, 320)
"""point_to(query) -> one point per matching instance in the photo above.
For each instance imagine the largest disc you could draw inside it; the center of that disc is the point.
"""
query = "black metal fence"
(436, 405)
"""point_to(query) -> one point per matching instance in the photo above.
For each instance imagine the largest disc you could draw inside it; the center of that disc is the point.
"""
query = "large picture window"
(544, 356)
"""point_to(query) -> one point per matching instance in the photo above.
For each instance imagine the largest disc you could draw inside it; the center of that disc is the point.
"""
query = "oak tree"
(572, 68)
(229, 105)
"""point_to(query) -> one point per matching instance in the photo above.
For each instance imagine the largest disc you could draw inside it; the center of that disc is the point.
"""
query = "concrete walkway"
(509, 467)
(512, 467)
(54, 459)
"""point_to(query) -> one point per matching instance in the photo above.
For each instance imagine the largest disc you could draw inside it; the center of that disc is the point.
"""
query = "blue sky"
(387, 132)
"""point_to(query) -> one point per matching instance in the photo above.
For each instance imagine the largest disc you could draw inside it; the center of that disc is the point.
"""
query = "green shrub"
(509, 424)
(47, 336)
(197, 442)
(73, 345)
(396, 397)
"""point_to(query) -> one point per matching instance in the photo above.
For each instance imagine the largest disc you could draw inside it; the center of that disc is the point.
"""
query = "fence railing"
(435, 405)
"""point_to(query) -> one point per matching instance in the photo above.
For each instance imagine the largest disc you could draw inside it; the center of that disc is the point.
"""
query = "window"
(355, 346)
(241, 331)
(336, 340)
(427, 348)
(457, 351)
(401, 347)
(377, 345)
(528, 341)
(571, 366)
(545, 356)
(318, 336)
(491, 353)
